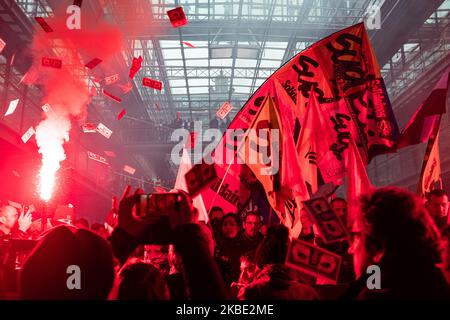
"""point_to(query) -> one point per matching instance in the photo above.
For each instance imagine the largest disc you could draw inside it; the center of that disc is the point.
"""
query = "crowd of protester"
(226, 258)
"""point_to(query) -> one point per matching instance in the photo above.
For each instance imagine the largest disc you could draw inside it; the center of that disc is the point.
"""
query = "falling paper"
(47, 108)
(224, 110)
(188, 44)
(93, 63)
(135, 66)
(52, 63)
(129, 169)
(121, 114)
(97, 157)
(43, 24)
(12, 58)
(155, 84)
(89, 127)
(111, 96)
(12, 107)
(112, 79)
(27, 135)
(104, 131)
(177, 17)
(110, 154)
(2, 45)
(126, 88)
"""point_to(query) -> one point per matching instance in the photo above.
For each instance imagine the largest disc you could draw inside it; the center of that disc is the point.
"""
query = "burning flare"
(50, 136)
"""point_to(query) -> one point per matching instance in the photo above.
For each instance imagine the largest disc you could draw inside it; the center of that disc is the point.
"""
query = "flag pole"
(237, 152)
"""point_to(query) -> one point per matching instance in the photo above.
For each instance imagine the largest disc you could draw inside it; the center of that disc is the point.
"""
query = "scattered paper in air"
(27, 135)
(224, 110)
(151, 83)
(109, 95)
(104, 130)
(135, 66)
(112, 79)
(93, 63)
(129, 169)
(52, 63)
(177, 17)
(121, 114)
(89, 128)
(12, 107)
(97, 158)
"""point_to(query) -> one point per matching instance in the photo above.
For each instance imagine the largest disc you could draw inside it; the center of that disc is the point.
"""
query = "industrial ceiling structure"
(226, 51)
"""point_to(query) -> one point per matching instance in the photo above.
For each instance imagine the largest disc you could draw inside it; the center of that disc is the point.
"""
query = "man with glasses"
(250, 236)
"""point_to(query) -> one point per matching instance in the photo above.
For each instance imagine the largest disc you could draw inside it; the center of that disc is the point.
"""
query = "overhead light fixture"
(221, 52)
(226, 52)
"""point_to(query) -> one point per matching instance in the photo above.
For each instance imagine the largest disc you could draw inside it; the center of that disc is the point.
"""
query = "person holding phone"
(15, 224)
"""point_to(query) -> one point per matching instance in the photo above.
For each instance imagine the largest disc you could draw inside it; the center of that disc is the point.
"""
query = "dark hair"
(397, 221)
(215, 209)
(231, 215)
(82, 221)
(96, 226)
(273, 248)
(437, 193)
(252, 213)
(336, 200)
(44, 274)
(141, 281)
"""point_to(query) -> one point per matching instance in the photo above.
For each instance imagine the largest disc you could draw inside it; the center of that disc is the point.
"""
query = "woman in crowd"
(228, 251)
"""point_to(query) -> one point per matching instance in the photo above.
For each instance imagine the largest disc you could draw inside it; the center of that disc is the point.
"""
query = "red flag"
(315, 141)
(121, 114)
(357, 180)
(292, 178)
(431, 166)
(177, 17)
(422, 123)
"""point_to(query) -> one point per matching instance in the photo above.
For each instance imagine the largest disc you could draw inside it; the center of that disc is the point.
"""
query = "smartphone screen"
(156, 204)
